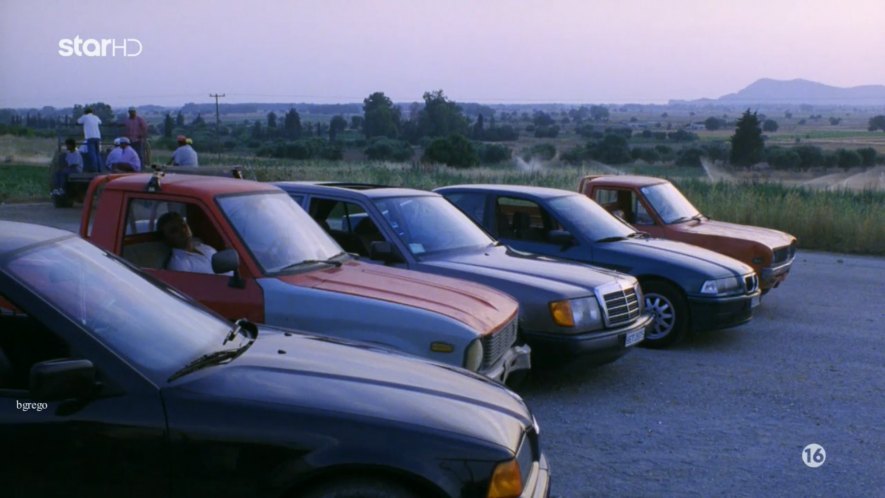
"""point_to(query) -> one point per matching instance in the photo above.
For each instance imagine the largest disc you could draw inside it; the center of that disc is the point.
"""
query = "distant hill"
(798, 91)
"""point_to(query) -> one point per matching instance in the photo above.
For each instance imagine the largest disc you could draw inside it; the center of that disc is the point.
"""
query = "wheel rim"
(665, 316)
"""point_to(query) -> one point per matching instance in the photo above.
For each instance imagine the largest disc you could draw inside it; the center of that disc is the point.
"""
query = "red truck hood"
(480, 307)
(771, 238)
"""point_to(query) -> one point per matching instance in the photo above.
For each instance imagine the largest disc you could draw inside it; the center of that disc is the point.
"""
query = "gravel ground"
(727, 413)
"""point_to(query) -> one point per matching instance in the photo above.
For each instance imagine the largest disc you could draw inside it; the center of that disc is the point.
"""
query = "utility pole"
(216, 96)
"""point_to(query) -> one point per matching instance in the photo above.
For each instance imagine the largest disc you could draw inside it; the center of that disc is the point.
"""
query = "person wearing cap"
(70, 162)
(114, 155)
(92, 134)
(184, 155)
(136, 130)
(123, 158)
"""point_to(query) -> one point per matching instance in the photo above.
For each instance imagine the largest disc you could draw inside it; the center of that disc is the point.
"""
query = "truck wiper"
(331, 261)
(612, 239)
(639, 235)
(213, 358)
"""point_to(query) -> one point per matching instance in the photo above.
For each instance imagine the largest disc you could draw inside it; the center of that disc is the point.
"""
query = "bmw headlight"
(582, 313)
(721, 286)
(473, 356)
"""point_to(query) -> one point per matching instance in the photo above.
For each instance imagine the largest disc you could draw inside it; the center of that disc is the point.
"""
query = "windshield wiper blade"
(640, 235)
(213, 358)
(612, 239)
(331, 261)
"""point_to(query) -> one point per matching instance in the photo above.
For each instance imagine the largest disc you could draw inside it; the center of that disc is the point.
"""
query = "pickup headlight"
(721, 286)
(473, 356)
(582, 313)
(506, 481)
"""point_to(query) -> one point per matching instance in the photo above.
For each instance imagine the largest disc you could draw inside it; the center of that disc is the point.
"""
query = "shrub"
(455, 151)
(547, 131)
(494, 153)
(544, 152)
(386, 149)
(689, 156)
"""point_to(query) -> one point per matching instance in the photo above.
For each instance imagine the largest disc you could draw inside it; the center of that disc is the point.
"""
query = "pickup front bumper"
(516, 359)
(773, 275)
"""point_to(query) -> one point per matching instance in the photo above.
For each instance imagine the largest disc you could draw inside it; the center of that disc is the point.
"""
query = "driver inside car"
(188, 254)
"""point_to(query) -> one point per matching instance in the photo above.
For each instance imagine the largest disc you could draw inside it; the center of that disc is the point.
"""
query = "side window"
(624, 204)
(145, 247)
(521, 219)
(347, 222)
(472, 204)
(24, 341)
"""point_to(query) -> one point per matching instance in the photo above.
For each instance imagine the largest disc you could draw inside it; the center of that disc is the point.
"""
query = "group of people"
(128, 153)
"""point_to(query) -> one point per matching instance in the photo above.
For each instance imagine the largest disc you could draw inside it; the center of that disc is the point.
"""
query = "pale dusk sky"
(491, 51)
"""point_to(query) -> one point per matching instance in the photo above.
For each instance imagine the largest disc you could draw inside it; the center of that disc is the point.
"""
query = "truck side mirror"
(227, 260)
(58, 380)
(384, 251)
(561, 238)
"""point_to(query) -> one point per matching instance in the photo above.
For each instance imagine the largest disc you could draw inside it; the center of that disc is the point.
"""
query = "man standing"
(184, 155)
(92, 134)
(136, 130)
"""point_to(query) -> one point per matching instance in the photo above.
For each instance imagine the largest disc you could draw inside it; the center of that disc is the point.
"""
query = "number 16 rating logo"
(814, 455)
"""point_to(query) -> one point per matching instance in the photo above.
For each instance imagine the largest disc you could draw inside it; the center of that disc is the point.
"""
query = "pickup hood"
(770, 237)
(508, 270)
(653, 253)
(482, 308)
(357, 383)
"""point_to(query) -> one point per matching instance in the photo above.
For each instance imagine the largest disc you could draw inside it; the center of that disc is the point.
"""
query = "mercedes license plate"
(633, 338)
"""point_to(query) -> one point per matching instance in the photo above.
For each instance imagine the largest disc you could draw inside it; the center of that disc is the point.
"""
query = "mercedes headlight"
(473, 356)
(721, 286)
(582, 313)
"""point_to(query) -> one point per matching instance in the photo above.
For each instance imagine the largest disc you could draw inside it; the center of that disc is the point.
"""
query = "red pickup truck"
(655, 206)
(275, 265)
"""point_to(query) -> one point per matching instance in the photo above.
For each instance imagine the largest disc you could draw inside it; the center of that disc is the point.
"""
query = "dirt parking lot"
(729, 412)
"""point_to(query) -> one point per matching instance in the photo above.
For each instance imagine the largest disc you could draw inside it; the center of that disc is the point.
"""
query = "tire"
(671, 315)
(359, 488)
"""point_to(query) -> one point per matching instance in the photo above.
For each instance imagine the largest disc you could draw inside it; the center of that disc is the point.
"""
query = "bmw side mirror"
(561, 238)
(384, 251)
(58, 380)
(227, 260)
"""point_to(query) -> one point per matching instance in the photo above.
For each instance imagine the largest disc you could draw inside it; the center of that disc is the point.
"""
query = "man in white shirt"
(92, 133)
(123, 158)
(184, 155)
(187, 254)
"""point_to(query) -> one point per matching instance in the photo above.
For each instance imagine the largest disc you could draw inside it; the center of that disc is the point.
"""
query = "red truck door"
(140, 244)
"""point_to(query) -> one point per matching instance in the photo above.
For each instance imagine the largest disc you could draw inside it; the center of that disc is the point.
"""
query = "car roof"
(352, 190)
(19, 235)
(624, 180)
(193, 185)
(537, 192)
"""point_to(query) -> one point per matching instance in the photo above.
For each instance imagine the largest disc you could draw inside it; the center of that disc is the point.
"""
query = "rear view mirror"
(227, 260)
(560, 238)
(384, 251)
(57, 380)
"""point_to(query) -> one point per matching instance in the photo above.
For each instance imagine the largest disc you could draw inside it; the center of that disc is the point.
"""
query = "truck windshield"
(669, 202)
(429, 225)
(276, 231)
(153, 328)
(591, 220)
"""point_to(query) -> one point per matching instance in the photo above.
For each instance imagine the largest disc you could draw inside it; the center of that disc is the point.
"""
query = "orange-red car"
(655, 206)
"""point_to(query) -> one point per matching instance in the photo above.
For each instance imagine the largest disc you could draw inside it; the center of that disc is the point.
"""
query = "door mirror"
(58, 380)
(384, 251)
(560, 238)
(227, 260)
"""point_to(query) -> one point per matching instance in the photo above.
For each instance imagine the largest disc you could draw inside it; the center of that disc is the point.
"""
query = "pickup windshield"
(277, 232)
(429, 225)
(151, 327)
(590, 219)
(669, 202)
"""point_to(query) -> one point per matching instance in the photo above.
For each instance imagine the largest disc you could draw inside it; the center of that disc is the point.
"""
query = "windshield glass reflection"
(277, 232)
(430, 225)
(669, 202)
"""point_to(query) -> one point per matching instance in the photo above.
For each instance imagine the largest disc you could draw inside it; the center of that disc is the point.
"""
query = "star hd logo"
(103, 47)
